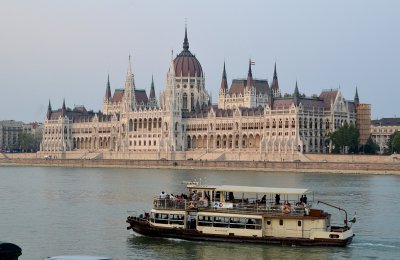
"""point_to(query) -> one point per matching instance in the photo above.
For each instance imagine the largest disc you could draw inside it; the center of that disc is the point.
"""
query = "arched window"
(192, 101)
(184, 101)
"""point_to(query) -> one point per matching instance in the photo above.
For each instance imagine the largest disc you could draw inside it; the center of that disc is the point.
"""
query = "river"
(57, 211)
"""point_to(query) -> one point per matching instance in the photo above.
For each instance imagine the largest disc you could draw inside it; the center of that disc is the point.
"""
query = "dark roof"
(186, 63)
(141, 96)
(328, 96)
(238, 86)
(388, 121)
(118, 94)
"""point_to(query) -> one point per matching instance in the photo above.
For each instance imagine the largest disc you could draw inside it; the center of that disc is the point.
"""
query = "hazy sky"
(65, 49)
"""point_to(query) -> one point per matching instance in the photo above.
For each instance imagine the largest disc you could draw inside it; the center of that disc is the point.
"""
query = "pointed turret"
(356, 98)
(275, 84)
(186, 41)
(129, 92)
(224, 81)
(63, 109)
(296, 91)
(296, 95)
(249, 77)
(108, 89)
(152, 97)
(152, 92)
(48, 115)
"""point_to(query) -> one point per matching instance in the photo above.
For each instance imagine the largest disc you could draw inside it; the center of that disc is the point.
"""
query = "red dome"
(186, 63)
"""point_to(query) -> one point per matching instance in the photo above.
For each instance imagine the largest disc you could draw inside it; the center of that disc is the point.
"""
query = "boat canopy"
(261, 190)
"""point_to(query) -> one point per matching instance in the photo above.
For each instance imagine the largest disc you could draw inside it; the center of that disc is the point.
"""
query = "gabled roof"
(238, 86)
(328, 96)
(118, 94)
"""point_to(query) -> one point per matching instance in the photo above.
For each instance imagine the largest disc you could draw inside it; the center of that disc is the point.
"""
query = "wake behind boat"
(236, 214)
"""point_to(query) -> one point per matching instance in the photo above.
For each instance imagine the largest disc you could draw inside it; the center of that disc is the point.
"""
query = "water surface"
(54, 211)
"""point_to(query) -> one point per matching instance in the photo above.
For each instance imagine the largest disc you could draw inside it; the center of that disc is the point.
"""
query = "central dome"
(186, 64)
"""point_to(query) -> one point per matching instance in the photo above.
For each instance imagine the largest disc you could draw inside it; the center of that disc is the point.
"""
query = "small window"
(268, 222)
(281, 222)
(299, 223)
(333, 236)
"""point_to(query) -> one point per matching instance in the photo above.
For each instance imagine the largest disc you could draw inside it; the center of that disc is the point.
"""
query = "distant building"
(363, 122)
(382, 129)
(250, 116)
(10, 132)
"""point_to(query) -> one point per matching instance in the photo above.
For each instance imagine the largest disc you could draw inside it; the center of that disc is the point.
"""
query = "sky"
(55, 50)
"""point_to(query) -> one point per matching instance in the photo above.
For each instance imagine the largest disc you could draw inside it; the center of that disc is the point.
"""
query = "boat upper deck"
(238, 199)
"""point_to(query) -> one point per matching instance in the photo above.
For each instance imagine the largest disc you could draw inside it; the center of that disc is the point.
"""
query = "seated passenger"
(163, 195)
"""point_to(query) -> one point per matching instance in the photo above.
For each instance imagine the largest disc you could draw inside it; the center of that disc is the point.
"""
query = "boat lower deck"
(142, 226)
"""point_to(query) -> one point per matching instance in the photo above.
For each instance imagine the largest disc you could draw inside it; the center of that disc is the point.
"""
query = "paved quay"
(316, 167)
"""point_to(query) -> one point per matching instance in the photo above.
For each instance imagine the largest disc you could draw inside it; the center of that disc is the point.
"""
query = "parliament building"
(251, 120)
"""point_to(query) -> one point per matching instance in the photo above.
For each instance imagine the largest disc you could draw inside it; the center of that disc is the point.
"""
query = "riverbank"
(316, 167)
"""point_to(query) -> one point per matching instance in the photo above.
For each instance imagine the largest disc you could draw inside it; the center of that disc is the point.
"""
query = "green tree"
(345, 139)
(27, 142)
(370, 147)
(396, 143)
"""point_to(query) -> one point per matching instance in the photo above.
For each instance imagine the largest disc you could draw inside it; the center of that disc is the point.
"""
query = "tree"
(27, 142)
(396, 143)
(370, 147)
(345, 139)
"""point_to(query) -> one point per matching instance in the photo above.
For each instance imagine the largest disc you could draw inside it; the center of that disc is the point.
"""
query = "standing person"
(305, 199)
(277, 199)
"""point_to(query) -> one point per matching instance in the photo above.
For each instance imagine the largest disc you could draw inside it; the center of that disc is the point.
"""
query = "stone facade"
(10, 132)
(250, 115)
(382, 129)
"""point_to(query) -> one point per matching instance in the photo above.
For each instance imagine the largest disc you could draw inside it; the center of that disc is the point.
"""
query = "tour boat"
(229, 213)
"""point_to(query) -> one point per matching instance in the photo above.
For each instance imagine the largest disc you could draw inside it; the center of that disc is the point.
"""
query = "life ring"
(286, 210)
(191, 205)
(221, 205)
(201, 203)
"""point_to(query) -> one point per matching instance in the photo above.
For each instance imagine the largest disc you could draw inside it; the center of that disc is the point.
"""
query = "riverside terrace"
(256, 200)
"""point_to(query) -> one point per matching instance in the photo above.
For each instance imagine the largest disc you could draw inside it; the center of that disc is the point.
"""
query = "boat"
(228, 213)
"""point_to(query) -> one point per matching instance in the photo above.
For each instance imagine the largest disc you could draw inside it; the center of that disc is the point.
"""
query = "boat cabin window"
(229, 222)
(205, 221)
(299, 223)
(281, 222)
(172, 219)
(268, 222)
(176, 219)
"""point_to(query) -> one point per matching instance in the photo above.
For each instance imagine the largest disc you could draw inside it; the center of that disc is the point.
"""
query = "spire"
(356, 98)
(249, 77)
(224, 82)
(152, 92)
(108, 89)
(63, 109)
(275, 84)
(296, 90)
(129, 92)
(48, 115)
(296, 95)
(186, 41)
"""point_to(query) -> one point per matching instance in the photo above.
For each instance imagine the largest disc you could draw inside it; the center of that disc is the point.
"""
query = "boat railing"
(169, 204)
(242, 207)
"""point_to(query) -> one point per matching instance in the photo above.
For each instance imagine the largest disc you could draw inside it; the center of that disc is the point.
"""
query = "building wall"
(10, 132)
(364, 122)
